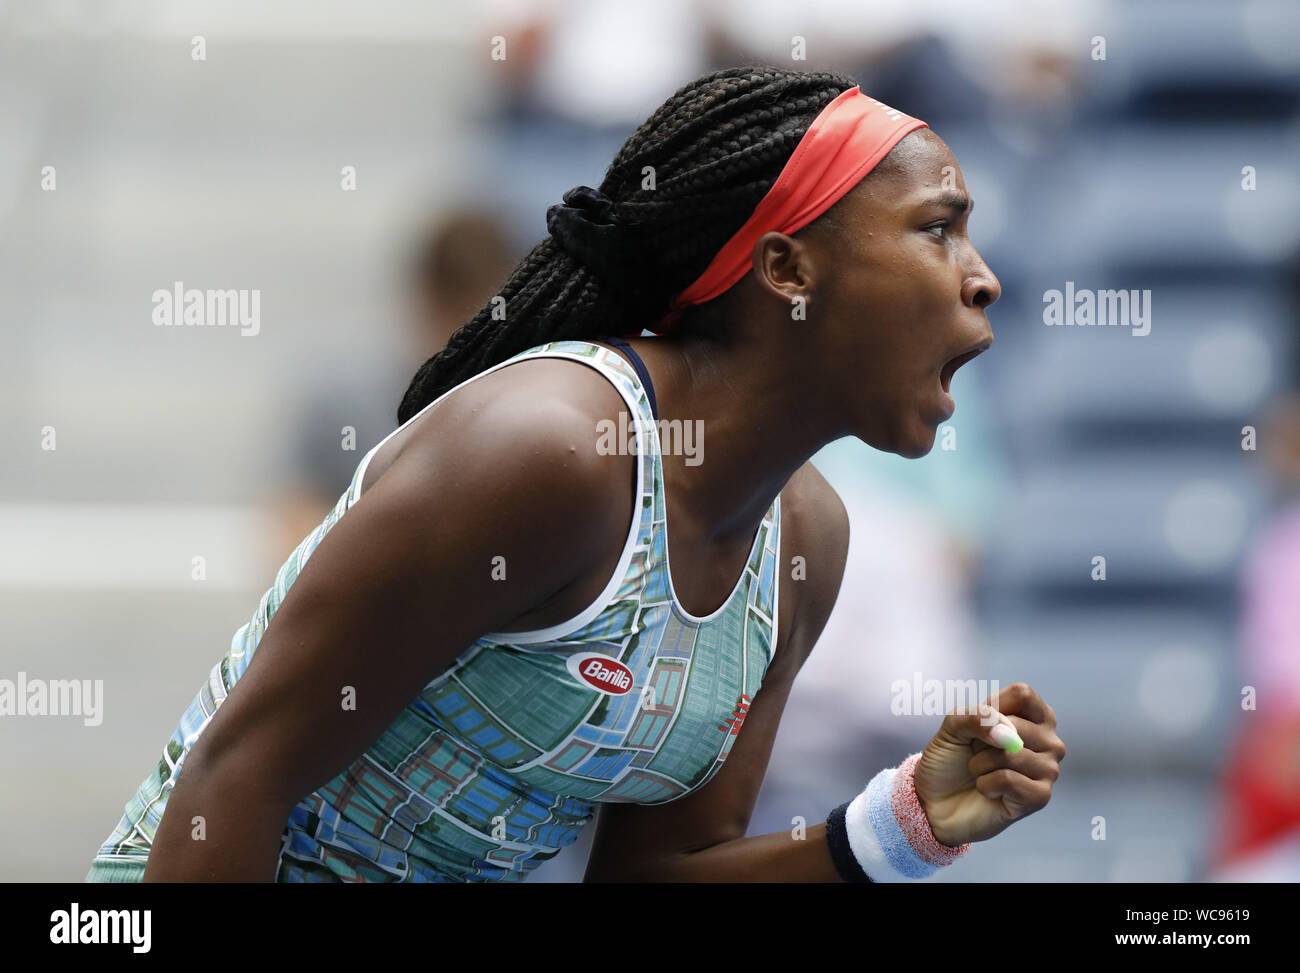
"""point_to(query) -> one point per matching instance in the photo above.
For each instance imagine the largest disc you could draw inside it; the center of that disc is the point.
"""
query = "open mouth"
(949, 369)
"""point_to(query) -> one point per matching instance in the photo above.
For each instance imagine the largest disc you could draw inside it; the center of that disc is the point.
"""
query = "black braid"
(717, 146)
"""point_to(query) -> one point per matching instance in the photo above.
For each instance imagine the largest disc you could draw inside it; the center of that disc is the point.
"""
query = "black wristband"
(837, 839)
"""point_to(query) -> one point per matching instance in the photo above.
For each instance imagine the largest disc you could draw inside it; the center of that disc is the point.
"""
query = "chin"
(917, 450)
(909, 442)
(914, 444)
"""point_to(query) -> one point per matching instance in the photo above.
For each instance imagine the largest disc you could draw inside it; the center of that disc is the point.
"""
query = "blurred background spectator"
(1258, 832)
(454, 268)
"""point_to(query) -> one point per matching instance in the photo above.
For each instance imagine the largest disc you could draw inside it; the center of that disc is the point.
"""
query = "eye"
(941, 227)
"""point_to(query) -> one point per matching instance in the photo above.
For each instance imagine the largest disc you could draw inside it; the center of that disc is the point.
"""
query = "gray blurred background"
(171, 443)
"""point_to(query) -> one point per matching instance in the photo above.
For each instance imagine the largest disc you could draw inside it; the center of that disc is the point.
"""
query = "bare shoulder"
(520, 447)
(814, 548)
(538, 420)
(527, 399)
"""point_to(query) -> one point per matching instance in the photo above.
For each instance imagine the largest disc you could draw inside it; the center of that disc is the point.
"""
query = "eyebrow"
(952, 200)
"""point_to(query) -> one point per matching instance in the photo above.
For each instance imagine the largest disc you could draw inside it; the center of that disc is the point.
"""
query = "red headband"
(845, 142)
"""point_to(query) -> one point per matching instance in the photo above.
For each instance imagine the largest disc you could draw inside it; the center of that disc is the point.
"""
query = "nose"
(980, 288)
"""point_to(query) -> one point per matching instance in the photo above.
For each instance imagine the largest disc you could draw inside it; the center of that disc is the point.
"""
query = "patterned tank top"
(498, 763)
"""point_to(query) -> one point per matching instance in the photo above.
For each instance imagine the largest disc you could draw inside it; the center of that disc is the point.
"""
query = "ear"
(785, 269)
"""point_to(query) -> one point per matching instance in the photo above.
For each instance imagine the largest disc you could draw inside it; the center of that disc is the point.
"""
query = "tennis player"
(484, 645)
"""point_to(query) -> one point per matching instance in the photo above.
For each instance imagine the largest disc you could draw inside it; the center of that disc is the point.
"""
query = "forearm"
(882, 835)
(216, 832)
(777, 857)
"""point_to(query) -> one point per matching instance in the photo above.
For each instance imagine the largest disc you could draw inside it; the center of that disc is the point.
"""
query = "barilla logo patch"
(601, 673)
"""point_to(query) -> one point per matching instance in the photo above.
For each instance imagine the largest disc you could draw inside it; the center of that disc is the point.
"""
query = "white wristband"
(889, 833)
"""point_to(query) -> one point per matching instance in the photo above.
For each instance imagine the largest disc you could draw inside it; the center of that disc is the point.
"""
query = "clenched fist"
(970, 787)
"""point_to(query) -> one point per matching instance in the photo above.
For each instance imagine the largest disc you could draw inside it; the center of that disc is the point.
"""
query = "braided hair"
(616, 256)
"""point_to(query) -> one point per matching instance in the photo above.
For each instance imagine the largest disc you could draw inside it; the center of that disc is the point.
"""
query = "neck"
(758, 421)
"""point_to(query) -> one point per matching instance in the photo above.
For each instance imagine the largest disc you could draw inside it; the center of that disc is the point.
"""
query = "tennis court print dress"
(499, 762)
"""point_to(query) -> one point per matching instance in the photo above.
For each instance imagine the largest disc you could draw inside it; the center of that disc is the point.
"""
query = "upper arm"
(636, 840)
(404, 582)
